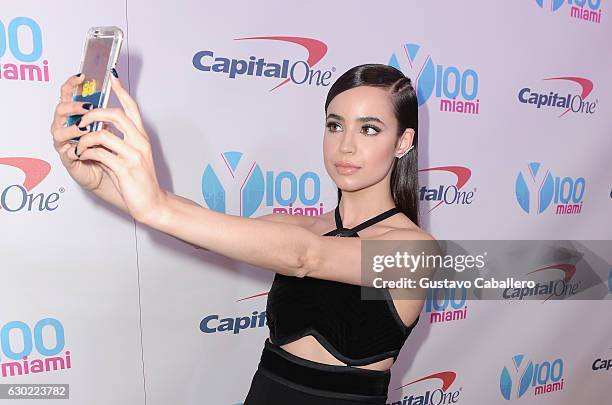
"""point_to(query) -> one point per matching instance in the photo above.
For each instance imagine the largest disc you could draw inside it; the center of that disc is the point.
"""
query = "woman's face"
(360, 128)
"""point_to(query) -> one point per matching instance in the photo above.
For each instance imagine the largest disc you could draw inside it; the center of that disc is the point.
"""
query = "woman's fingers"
(67, 88)
(66, 92)
(110, 141)
(63, 134)
(116, 116)
(66, 108)
(102, 155)
(66, 105)
(128, 103)
(67, 154)
(126, 120)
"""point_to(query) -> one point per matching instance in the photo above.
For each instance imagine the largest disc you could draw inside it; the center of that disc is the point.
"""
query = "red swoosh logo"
(252, 296)
(316, 49)
(586, 84)
(463, 175)
(447, 377)
(35, 170)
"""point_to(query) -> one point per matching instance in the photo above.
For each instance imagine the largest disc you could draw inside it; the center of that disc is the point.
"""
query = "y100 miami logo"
(451, 193)
(584, 10)
(455, 88)
(564, 102)
(21, 47)
(216, 323)
(235, 175)
(446, 304)
(297, 72)
(537, 189)
(436, 389)
(20, 197)
(524, 376)
(18, 341)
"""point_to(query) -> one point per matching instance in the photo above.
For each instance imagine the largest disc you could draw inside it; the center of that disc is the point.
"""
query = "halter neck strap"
(342, 231)
(366, 223)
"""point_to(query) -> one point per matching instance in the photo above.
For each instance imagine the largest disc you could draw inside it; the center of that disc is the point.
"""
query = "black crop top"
(355, 331)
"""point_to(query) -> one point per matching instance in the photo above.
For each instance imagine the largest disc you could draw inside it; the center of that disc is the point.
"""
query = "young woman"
(326, 345)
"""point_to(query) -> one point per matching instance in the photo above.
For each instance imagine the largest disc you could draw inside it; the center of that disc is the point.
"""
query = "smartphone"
(100, 54)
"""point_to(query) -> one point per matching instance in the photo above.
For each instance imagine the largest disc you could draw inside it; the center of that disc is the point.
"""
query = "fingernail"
(75, 151)
(84, 129)
(78, 121)
(87, 106)
(78, 74)
(114, 72)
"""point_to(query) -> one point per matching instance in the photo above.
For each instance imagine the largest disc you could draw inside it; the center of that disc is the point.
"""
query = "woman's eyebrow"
(361, 119)
(366, 119)
(335, 116)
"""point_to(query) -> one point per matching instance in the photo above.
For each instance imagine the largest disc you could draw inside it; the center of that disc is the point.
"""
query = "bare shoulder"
(400, 227)
(409, 233)
(410, 304)
(422, 239)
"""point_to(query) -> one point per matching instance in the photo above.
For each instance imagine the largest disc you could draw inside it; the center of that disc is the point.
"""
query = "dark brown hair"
(404, 175)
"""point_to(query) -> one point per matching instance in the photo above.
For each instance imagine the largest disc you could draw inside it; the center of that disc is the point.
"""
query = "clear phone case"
(100, 55)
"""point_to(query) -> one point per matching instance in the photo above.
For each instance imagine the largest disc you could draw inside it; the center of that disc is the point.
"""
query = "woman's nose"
(347, 145)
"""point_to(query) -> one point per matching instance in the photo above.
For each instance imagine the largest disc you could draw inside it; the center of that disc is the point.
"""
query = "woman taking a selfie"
(319, 351)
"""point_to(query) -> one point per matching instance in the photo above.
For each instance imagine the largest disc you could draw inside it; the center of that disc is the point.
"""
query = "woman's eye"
(331, 126)
(370, 130)
(374, 130)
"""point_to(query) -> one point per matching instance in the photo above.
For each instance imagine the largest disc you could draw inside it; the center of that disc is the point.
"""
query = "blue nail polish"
(87, 106)
(114, 72)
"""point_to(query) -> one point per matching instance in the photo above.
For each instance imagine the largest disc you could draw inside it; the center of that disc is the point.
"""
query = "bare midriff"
(309, 348)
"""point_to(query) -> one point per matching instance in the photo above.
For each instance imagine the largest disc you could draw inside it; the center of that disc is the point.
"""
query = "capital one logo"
(21, 197)
(448, 194)
(441, 395)
(214, 323)
(560, 288)
(237, 185)
(522, 374)
(576, 103)
(452, 88)
(298, 72)
(536, 189)
(21, 47)
(584, 10)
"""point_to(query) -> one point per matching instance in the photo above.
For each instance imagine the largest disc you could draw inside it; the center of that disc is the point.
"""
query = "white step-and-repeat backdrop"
(515, 141)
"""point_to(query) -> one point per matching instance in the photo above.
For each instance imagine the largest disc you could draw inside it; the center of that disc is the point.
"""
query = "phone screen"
(94, 68)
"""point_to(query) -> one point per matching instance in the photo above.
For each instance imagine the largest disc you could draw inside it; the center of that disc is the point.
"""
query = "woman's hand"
(129, 160)
(88, 174)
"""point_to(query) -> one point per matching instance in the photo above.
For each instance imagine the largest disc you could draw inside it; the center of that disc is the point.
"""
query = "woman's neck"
(361, 205)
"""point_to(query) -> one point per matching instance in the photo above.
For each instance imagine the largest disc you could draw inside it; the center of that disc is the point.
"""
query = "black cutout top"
(355, 331)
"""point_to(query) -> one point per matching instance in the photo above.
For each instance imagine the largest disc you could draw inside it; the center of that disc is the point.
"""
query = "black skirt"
(283, 378)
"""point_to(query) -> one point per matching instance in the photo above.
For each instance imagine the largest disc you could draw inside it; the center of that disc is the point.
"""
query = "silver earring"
(407, 150)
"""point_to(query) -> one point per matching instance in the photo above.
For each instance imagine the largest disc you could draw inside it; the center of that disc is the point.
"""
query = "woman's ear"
(405, 141)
